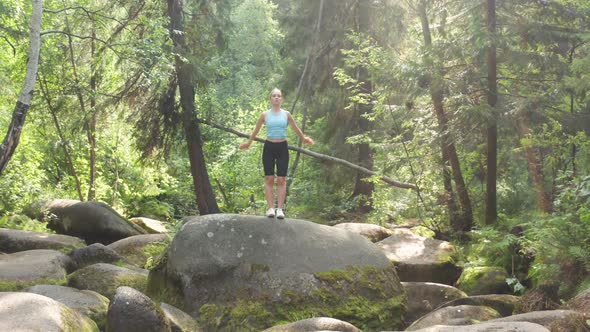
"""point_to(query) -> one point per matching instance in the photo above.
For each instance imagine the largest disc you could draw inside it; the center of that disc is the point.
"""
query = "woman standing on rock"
(276, 152)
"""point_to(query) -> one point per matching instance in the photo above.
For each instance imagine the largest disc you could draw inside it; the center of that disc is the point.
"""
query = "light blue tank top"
(276, 124)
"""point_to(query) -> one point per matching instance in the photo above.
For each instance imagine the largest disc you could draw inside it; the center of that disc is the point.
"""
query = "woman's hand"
(244, 146)
(308, 140)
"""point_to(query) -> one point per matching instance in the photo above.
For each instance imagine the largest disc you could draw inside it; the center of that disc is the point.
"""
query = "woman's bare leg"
(281, 190)
(269, 182)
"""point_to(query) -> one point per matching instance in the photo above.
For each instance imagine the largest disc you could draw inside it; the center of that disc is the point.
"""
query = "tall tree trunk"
(206, 201)
(67, 155)
(450, 197)
(80, 97)
(534, 165)
(362, 187)
(24, 100)
(572, 111)
(91, 123)
(449, 152)
(306, 89)
(492, 130)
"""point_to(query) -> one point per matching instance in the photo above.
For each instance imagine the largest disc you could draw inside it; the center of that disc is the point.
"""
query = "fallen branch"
(320, 156)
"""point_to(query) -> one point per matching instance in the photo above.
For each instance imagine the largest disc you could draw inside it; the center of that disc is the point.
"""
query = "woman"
(275, 152)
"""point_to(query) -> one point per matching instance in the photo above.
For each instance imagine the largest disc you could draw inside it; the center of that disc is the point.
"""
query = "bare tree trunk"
(492, 130)
(572, 111)
(24, 100)
(450, 197)
(362, 187)
(67, 155)
(534, 166)
(91, 124)
(465, 222)
(206, 201)
(307, 90)
(82, 103)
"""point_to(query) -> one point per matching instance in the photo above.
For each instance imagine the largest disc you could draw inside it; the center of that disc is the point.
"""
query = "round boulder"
(503, 303)
(132, 311)
(95, 253)
(372, 232)
(91, 221)
(138, 249)
(105, 278)
(232, 271)
(424, 297)
(488, 327)
(463, 315)
(151, 226)
(33, 312)
(27, 268)
(421, 259)
(315, 324)
(546, 318)
(483, 280)
(85, 302)
(12, 240)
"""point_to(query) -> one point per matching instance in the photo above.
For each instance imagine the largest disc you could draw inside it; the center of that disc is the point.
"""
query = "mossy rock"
(363, 297)
(33, 312)
(483, 280)
(141, 249)
(106, 278)
(32, 267)
(249, 273)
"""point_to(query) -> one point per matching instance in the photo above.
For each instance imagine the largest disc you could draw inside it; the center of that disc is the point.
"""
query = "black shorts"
(275, 154)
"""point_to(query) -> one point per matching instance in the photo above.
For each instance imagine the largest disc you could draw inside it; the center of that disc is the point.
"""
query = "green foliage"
(24, 223)
(515, 285)
(560, 240)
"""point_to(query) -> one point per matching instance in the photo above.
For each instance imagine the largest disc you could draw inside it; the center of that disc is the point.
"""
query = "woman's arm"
(304, 139)
(259, 123)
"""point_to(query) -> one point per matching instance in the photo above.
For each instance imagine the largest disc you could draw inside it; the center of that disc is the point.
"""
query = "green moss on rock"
(482, 280)
(17, 285)
(369, 298)
(77, 323)
(164, 289)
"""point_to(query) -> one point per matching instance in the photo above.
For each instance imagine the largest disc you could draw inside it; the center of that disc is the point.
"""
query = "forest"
(470, 119)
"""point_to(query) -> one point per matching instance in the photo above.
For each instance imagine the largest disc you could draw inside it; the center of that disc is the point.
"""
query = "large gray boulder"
(481, 280)
(12, 240)
(27, 268)
(546, 318)
(462, 315)
(24, 312)
(315, 324)
(372, 232)
(86, 302)
(106, 278)
(151, 226)
(503, 303)
(424, 297)
(91, 221)
(232, 271)
(132, 311)
(421, 259)
(95, 253)
(488, 327)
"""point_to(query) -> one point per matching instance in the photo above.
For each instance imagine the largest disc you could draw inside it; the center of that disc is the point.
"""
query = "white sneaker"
(270, 213)
(280, 214)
